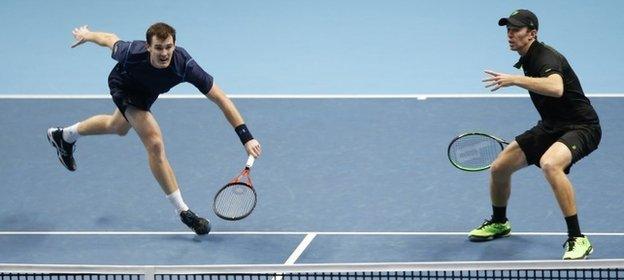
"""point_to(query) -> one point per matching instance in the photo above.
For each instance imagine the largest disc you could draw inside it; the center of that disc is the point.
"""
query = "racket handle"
(250, 161)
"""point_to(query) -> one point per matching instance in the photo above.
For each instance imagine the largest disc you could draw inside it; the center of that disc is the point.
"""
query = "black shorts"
(581, 139)
(124, 96)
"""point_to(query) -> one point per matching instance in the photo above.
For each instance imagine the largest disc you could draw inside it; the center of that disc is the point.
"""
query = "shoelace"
(188, 216)
(570, 244)
(192, 219)
(196, 223)
(485, 223)
(65, 153)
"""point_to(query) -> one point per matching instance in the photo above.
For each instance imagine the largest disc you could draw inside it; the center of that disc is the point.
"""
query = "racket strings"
(235, 201)
(474, 151)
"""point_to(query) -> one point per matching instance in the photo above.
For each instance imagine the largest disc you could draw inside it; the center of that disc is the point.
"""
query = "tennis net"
(510, 270)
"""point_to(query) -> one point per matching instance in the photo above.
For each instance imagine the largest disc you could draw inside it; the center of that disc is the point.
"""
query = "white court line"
(299, 250)
(305, 96)
(374, 233)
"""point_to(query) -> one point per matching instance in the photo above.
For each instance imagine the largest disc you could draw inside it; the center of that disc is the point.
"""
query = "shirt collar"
(525, 57)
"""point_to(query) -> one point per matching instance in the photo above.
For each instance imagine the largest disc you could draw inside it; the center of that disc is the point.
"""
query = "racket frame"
(238, 180)
(214, 204)
(500, 141)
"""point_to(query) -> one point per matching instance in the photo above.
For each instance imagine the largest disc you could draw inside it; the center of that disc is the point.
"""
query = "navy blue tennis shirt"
(135, 75)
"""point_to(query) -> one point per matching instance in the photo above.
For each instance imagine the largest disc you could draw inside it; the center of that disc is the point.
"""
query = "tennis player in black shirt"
(569, 130)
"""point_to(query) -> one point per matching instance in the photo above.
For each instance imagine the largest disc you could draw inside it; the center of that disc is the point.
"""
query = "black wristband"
(243, 133)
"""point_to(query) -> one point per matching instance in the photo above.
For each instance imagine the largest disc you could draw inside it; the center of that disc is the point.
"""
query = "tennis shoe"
(199, 225)
(64, 149)
(490, 230)
(577, 248)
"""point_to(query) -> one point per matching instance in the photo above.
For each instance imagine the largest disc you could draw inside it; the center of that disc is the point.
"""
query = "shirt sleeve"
(195, 75)
(121, 50)
(549, 64)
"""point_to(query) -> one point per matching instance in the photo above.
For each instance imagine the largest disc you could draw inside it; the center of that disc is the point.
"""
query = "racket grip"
(250, 161)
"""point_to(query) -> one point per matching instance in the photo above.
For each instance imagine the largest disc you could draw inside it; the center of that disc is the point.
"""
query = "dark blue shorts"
(581, 139)
(125, 96)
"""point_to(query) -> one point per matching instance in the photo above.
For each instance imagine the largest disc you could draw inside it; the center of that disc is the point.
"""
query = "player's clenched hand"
(253, 147)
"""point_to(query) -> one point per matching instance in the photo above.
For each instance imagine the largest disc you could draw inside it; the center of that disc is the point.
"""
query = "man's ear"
(534, 33)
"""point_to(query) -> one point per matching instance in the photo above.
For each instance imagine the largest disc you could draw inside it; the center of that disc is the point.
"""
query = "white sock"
(70, 133)
(176, 199)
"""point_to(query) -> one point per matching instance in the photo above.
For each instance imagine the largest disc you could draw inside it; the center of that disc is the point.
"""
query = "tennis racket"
(474, 151)
(237, 199)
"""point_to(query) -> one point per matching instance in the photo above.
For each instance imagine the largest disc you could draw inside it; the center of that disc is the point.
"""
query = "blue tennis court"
(369, 177)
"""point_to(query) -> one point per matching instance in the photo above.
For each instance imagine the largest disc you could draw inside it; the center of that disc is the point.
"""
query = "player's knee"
(121, 130)
(548, 165)
(155, 146)
(499, 168)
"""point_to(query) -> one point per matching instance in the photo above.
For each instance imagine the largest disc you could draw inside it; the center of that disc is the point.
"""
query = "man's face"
(161, 51)
(520, 38)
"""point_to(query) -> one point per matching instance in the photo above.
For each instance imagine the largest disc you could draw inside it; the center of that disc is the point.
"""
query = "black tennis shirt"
(571, 108)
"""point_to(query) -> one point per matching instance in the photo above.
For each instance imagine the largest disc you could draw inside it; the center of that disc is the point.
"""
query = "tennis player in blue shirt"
(146, 69)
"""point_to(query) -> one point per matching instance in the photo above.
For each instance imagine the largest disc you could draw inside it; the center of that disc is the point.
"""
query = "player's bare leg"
(150, 134)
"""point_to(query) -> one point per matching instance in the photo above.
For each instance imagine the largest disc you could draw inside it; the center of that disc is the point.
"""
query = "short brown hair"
(161, 30)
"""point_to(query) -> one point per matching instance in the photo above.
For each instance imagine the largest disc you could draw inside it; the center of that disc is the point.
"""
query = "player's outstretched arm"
(549, 86)
(217, 96)
(82, 35)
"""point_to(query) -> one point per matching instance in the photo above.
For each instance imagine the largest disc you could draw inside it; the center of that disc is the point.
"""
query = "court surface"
(341, 180)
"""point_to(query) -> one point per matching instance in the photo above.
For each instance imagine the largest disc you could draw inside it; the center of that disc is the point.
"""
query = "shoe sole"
(55, 146)
(489, 238)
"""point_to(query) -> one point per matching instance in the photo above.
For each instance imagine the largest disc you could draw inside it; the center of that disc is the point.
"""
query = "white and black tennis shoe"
(64, 149)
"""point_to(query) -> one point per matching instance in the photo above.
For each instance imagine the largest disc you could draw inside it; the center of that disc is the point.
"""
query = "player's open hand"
(253, 148)
(80, 34)
(498, 80)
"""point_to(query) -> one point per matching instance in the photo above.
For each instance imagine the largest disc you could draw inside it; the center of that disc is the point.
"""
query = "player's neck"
(526, 48)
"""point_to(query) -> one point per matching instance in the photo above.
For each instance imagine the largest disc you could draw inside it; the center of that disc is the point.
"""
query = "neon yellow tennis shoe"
(490, 230)
(577, 248)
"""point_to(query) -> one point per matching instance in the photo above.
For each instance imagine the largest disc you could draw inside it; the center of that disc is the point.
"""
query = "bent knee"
(499, 167)
(120, 128)
(122, 131)
(549, 165)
